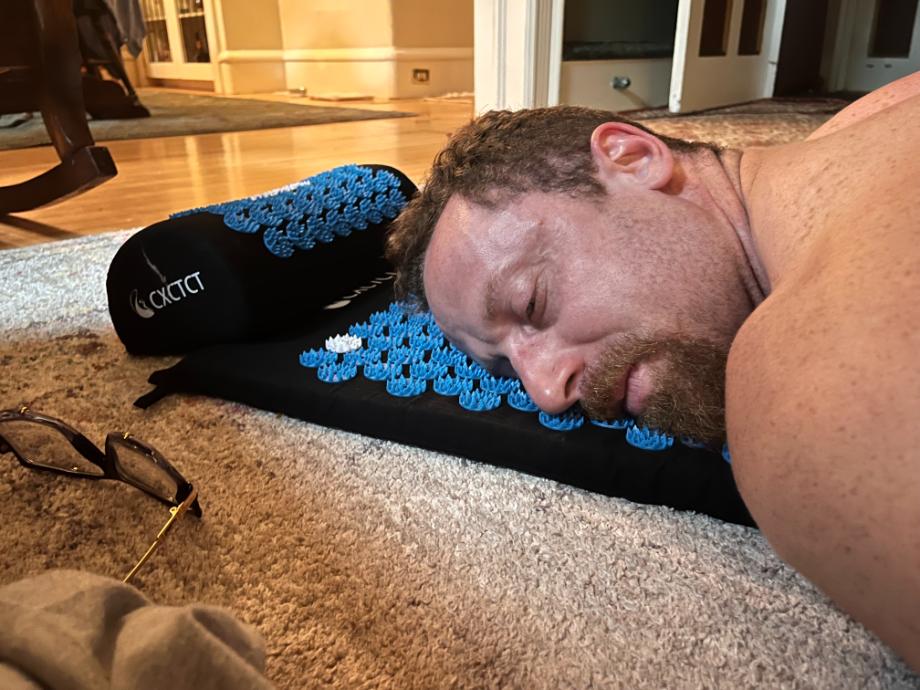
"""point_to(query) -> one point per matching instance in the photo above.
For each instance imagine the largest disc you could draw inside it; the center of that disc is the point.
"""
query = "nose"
(551, 378)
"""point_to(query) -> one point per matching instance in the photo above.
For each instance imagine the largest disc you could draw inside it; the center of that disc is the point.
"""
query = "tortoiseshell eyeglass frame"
(186, 497)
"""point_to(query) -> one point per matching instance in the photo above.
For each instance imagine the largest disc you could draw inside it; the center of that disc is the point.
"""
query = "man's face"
(586, 304)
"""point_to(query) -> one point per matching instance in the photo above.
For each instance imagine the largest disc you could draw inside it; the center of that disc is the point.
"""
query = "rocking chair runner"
(40, 66)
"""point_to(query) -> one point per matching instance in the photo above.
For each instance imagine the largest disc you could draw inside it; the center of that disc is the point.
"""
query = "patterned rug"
(174, 114)
(758, 123)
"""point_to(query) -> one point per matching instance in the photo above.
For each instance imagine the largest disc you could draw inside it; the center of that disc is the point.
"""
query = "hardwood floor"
(159, 176)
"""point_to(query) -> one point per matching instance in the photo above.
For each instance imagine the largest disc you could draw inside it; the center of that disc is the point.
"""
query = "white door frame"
(517, 54)
(705, 82)
(845, 45)
(518, 51)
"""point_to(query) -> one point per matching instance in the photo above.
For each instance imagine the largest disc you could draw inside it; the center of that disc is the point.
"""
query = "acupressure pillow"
(255, 267)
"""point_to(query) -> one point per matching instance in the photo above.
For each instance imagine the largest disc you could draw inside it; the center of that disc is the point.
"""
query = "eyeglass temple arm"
(174, 514)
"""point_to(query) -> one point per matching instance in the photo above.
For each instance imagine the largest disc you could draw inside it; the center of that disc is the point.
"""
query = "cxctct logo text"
(148, 305)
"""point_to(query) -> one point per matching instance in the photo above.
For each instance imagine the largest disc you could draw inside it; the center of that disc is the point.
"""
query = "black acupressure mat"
(270, 376)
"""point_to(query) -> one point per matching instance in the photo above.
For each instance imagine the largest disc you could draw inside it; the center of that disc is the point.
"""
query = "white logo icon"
(140, 307)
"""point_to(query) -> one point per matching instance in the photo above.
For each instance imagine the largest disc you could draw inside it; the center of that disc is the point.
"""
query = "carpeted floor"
(173, 114)
(371, 565)
(759, 123)
(366, 564)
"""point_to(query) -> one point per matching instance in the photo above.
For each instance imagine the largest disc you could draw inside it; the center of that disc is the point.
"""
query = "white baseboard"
(383, 72)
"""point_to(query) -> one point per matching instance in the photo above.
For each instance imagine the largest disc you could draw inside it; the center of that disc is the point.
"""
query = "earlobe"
(627, 154)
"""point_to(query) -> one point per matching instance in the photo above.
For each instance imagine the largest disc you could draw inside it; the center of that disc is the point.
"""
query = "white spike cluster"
(343, 343)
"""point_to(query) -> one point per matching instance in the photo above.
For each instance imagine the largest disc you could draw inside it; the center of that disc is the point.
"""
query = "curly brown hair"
(494, 158)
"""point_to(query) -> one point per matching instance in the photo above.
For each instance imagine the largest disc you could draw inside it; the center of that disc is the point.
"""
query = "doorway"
(884, 43)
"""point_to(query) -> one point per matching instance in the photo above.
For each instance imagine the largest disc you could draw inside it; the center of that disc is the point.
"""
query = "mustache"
(689, 378)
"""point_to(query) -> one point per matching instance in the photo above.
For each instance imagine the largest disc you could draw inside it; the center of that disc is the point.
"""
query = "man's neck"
(720, 183)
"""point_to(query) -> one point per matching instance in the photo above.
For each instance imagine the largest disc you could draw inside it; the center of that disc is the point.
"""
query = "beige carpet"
(766, 122)
(367, 564)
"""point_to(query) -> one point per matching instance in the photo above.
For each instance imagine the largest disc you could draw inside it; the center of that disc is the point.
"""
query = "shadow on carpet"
(176, 114)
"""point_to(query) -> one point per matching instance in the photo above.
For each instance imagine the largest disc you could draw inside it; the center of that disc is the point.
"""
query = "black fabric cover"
(268, 375)
(191, 281)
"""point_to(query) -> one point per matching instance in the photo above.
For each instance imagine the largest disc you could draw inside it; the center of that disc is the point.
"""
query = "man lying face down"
(770, 295)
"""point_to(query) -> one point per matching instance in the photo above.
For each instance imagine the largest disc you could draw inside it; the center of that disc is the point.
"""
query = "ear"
(627, 154)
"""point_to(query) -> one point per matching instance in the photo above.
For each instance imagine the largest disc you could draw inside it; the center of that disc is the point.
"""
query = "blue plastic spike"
(405, 387)
(612, 423)
(519, 400)
(452, 385)
(336, 372)
(648, 439)
(469, 370)
(427, 370)
(496, 384)
(377, 371)
(315, 358)
(479, 400)
(362, 330)
(562, 422)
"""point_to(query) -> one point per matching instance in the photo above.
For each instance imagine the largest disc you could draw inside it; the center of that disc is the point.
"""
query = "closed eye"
(536, 307)
(531, 305)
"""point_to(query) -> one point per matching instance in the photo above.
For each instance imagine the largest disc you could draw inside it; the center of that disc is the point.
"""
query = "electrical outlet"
(420, 76)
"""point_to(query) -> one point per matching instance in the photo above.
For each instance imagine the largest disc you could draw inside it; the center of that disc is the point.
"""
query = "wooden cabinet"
(178, 44)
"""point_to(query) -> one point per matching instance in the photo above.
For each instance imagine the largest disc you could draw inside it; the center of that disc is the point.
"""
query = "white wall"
(248, 46)
(373, 46)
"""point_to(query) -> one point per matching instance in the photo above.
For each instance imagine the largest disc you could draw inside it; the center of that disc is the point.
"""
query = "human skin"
(803, 260)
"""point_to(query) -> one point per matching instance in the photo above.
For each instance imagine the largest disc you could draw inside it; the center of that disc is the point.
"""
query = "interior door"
(885, 43)
(725, 51)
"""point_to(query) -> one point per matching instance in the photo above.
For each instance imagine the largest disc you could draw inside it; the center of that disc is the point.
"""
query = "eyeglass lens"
(45, 446)
(142, 469)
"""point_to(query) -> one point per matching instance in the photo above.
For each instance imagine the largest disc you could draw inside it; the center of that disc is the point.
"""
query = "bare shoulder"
(824, 374)
(870, 104)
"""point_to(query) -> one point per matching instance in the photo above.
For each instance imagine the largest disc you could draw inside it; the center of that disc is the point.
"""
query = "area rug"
(173, 114)
(367, 564)
(763, 122)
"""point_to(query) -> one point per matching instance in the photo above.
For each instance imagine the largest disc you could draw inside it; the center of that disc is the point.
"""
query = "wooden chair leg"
(83, 165)
(82, 170)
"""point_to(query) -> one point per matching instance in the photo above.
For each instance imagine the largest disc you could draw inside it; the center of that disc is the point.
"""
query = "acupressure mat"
(408, 351)
(270, 376)
(365, 364)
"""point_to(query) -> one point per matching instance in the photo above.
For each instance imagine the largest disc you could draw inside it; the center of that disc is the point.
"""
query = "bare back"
(823, 383)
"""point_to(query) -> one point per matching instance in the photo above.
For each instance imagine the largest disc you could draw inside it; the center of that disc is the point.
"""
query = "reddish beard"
(689, 379)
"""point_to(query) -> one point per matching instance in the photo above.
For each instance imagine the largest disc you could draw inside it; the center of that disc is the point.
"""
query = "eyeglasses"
(46, 443)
